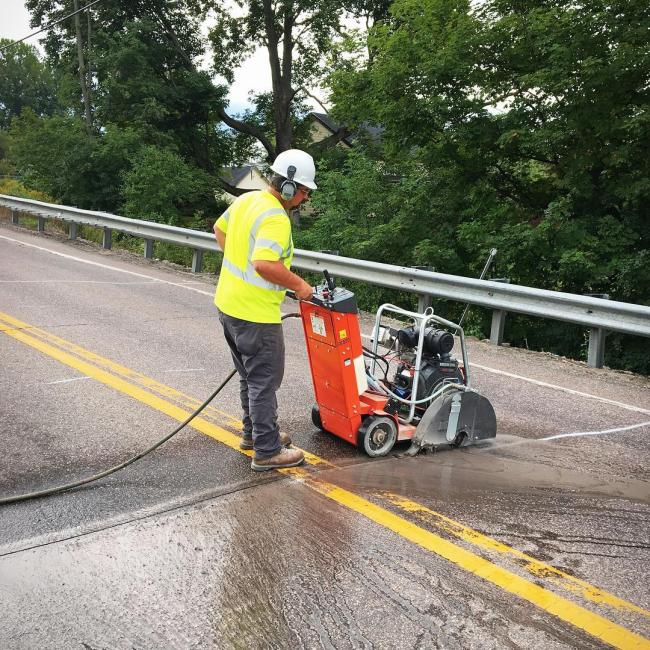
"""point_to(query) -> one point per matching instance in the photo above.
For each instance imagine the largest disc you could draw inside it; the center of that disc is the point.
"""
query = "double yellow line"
(178, 406)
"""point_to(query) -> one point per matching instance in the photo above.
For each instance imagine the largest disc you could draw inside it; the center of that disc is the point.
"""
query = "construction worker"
(254, 234)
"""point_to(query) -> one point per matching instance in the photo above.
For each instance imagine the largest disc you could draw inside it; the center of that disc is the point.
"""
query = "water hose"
(63, 488)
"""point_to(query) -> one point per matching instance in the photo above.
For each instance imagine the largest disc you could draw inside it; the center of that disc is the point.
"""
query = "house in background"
(322, 126)
(247, 177)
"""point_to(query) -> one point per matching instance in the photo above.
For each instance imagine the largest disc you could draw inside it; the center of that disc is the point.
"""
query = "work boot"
(284, 458)
(247, 441)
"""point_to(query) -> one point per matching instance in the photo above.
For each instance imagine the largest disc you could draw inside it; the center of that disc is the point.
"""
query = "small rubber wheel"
(377, 435)
(315, 417)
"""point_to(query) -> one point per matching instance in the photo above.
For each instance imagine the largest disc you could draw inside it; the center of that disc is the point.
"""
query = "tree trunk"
(85, 91)
(280, 74)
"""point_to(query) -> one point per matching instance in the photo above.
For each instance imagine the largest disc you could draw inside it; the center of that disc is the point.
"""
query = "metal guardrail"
(597, 314)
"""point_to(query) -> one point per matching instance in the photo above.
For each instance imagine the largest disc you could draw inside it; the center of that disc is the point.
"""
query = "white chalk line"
(629, 407)
(65, 381)
(208, 293)
(595, 433)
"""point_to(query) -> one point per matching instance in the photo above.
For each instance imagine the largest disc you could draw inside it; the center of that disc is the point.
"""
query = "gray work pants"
(258, 354)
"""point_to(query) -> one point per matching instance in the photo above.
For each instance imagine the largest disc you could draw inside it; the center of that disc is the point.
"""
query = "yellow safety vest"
(256, 228)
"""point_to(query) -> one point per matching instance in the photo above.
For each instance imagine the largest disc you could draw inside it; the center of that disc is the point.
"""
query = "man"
(255, 237)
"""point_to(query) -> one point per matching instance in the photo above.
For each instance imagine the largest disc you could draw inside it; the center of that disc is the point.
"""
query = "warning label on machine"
(317, 325)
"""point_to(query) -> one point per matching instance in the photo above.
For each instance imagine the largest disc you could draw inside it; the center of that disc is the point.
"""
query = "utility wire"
(50, 25)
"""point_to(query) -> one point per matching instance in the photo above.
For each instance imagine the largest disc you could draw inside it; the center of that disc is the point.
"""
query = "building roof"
(234, 175)
(373, 131)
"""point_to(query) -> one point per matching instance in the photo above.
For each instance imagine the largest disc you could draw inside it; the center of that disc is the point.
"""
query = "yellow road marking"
(568, 611)
(533, 566)
(118, 369)
(19, 331)
(564, 609)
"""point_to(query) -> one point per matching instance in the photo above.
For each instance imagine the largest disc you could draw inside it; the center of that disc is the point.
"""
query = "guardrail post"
(148, 248)
(41, 224)
(107, 238)
(498, 324)
(498, 319)
(197, 261)
(424, 299)
(72, 230)
(14, 217)
(424, 302)
(596, 351)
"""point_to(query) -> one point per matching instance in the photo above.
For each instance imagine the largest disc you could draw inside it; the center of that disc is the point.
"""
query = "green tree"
(142, 57)
(530, 121)
(161, 186)
(298, 36)
(25, 82)
(58, 156)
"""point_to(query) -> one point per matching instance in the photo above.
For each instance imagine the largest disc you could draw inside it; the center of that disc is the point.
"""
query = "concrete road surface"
(538, 539)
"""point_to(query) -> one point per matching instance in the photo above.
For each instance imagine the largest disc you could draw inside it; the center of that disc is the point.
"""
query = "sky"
(254, 74)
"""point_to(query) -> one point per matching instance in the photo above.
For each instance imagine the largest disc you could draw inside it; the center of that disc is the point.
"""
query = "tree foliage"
(517, 125)
(160, 186)
(529, 125)
(59, 157)
(25, 82)
(297, 34)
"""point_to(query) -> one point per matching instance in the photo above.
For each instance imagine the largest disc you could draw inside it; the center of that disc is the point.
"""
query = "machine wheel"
(377, 435)
(315, 417)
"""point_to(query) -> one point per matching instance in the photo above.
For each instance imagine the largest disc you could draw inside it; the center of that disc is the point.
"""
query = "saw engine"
(436, 363)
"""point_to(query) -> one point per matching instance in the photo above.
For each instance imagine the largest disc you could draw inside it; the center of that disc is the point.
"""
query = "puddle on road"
(462, 473)
(278, 567)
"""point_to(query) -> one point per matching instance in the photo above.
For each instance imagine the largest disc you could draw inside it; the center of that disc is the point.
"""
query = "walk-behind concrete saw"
(428, 399)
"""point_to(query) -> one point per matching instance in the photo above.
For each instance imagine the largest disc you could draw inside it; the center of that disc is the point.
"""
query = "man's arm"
(221, 237)
(278, 273)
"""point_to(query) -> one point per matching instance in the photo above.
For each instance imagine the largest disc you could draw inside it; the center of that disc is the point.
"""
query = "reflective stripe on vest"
(249, 274)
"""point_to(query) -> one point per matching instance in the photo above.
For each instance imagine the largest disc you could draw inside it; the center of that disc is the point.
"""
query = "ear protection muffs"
(289, 188)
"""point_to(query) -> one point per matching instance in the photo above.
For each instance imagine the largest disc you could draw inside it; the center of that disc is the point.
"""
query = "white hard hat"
(305, 170)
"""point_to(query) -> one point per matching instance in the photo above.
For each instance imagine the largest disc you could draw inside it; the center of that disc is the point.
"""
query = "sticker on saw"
(318, 325)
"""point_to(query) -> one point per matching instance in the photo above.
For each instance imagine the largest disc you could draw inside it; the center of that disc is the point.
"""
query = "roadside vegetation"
(519, 126)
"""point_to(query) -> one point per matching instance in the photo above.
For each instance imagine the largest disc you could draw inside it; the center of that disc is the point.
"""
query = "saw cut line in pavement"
(147, 513)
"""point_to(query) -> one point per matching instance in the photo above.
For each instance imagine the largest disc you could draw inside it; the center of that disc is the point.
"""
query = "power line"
(52, 24)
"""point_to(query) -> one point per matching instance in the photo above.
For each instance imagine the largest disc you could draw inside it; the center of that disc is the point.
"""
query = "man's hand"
(304, 292)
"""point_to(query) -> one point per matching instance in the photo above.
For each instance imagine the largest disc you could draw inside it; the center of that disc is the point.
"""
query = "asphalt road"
(531, 540)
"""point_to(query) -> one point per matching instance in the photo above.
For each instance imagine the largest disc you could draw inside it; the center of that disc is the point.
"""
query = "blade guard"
(453, 414)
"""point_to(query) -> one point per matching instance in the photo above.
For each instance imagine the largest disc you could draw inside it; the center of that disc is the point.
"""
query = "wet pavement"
(520, 542)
